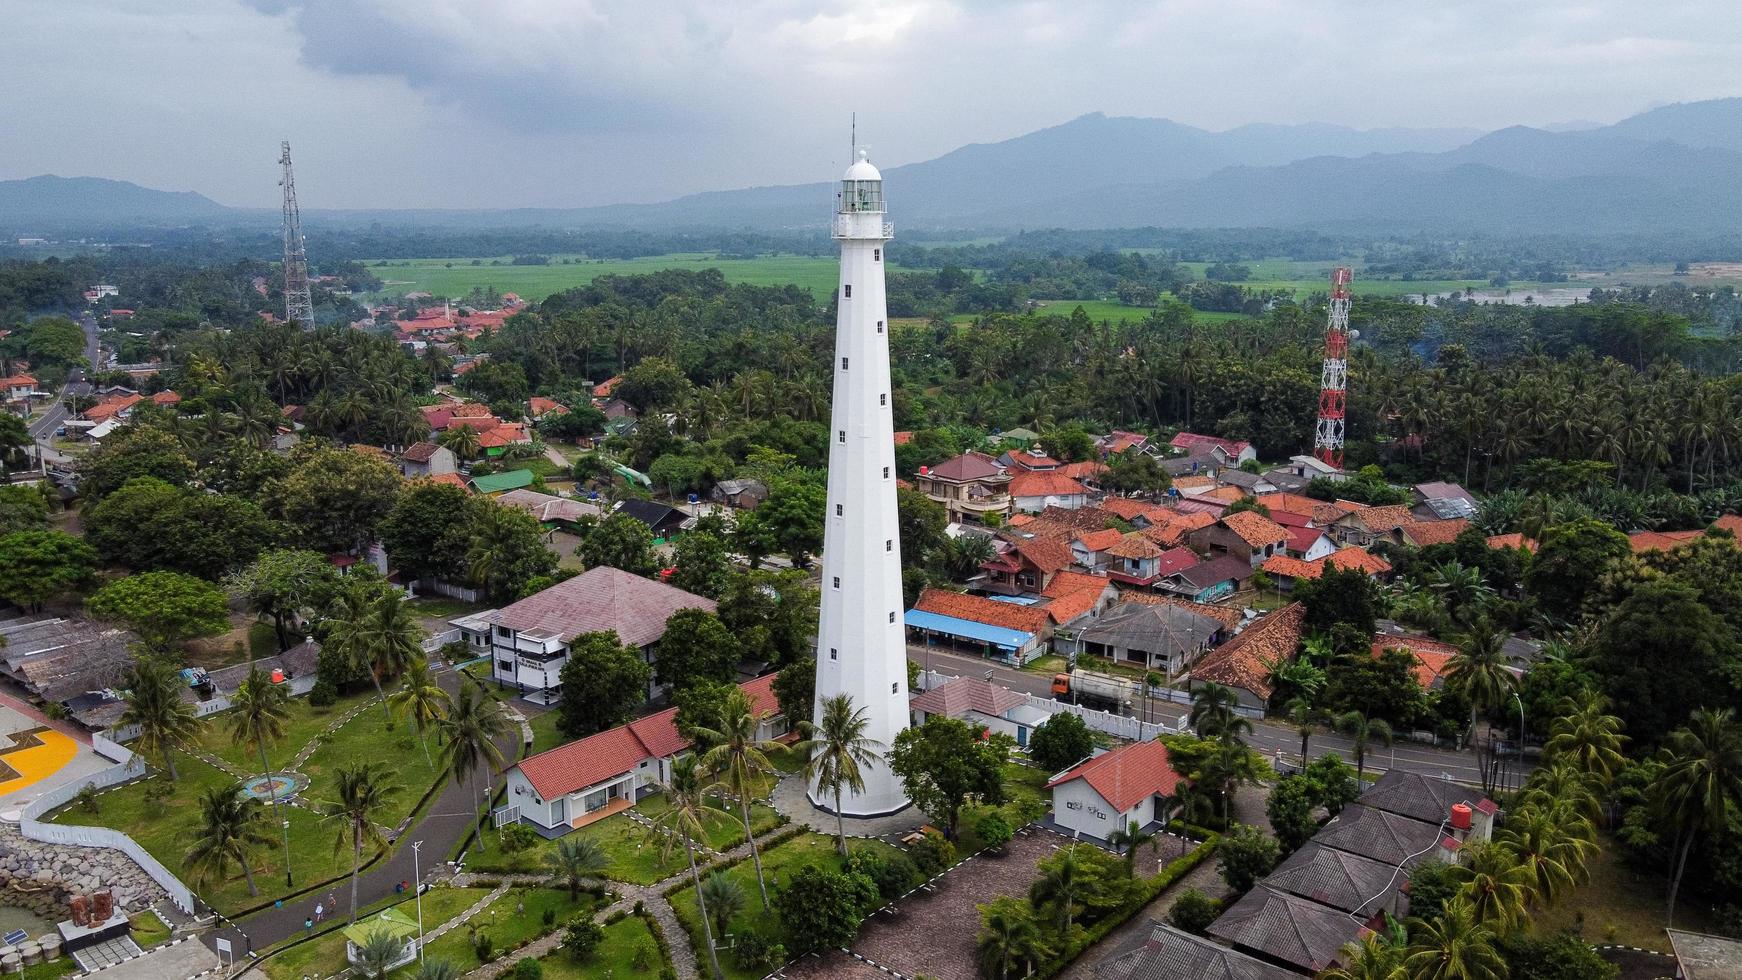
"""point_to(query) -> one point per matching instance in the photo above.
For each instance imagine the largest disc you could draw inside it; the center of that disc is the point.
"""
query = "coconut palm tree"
(436, 969)
(685, 819)
(1563, 784)
(470, 732)
(231, 827)
(363, 791)
(1701, 787)
(1553, 845)
(1479, 671)
(1373, 958)
(1128, 840)
(1305, 721)
(738, 761)
(461, 440)
(1590, 738)
(155, 705)
(1057, 889)
(392, 641)
(1456, 945)
(422, 700)
(837, 754)
(725, 898)
(257, 713)
(573, 861)
(378, 952)
(1010, 944)
(1498, 886)
(1212, 713)
(1362, 731)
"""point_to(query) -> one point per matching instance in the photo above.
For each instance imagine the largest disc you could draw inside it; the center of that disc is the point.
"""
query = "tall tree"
(231, 827)
(257, 714)
(1498, 886)
(471, 730)
(739, 762)
(946, 762)
(38, 566)
(1701, 788)
(155, 705)
(685, 821)
(281, 586)
(619, 541)
(1589, 737)
(696, 647)
(838, 752)
(163, 607)
(421, 699)
(362, 791)
(603, 682)
(1363, 732)
(1455, 946)
(1479, 671)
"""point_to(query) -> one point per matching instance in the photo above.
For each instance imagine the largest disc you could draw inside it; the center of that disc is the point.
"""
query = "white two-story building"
(528, 642)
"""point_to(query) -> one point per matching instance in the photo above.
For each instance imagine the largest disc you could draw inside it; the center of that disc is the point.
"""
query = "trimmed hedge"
(1145, 894)
(682, 881)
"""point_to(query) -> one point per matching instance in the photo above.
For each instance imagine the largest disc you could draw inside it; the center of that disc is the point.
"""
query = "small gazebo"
(391, 921)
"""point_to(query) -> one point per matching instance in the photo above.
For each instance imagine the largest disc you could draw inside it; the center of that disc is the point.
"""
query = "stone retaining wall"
(44, 877)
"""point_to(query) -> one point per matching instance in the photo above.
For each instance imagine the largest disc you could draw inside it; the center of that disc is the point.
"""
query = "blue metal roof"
(999, 636)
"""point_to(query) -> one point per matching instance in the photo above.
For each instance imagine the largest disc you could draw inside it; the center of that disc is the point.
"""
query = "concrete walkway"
(790, 800)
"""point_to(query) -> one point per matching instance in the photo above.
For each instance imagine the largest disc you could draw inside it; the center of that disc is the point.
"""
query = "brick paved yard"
(933, 931)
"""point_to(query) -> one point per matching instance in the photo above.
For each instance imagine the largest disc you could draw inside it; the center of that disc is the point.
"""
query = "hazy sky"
(479, 103)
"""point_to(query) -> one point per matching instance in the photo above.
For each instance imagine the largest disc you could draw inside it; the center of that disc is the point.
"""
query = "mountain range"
(1677, 168)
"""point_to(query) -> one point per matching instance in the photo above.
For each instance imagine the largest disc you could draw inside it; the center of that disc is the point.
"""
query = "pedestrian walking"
(308, 924)
(320, 912)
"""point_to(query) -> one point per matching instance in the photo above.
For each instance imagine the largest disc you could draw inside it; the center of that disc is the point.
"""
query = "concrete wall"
(1077, 807)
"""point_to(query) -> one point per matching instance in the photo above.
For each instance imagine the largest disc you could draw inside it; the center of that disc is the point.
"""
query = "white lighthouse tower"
(861, 639)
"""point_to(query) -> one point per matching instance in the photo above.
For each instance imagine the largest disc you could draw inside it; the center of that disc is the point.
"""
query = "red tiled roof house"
(1112, 791)
(586, 780)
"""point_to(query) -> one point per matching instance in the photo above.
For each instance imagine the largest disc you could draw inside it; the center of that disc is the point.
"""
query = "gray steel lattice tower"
(297, 304)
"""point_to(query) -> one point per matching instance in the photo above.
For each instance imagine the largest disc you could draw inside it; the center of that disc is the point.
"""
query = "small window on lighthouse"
(834, 654)
(840, 510)
(886, 472)
(876, 255)
(841, 436)
(888, 544)
(843, 364)
(895, 687)
(837, 581)
(848, 290)
(879, 326)
(883, 399)
(892, 617)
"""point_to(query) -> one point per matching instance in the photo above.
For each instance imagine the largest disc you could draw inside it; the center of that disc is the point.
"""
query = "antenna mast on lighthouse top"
(1334, 379)
(298, 306)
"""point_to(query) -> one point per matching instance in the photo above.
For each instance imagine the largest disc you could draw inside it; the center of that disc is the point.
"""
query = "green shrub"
(1194, 911)
(528, 969)
(894, 874)
(87, 798)
(994, 831)
(324, 693)
(757, 953)
(583, 937)
(932, 854)
(517, 837)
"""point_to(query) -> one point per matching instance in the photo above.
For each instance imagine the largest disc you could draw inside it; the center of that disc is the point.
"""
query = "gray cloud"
(461, 103)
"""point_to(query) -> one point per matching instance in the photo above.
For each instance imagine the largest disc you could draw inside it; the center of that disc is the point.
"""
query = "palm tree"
(363, 791)
(436, 969)
(1553, 845)
(1561, 783)
(739, 760)
(231, 827)
(1589, 737)
(461, 440)
(574, 860)
(1129, 839)
(257, 713)
(1057, 888)
(725, 898)
(686, 819)
(838, 752)
(378, 952)
(155, 705)
(1009, 940)
(392, 641)
(422, 700)
(1362, 730)
(1374, 958)
(1701, 787)
(1212, 711)
(1479, 671)
(470, 732)
(1498, 886)
(1454, 946)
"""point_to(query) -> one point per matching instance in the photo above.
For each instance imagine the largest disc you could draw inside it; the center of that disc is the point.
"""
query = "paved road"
(448, 818)
(43, 429)
(1266, 737)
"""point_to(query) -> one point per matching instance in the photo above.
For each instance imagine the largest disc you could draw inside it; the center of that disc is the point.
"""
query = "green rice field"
(456, 277)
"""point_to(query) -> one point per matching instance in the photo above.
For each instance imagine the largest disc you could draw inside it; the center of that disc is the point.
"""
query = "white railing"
(503, 815)
(128, 766)
(1121, 726)
(439, 640)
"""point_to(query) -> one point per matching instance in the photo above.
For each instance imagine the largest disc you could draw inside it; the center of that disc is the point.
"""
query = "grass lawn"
(615, 956)
(1048, 665)
(325, 955)
(634, 857)
(1622, 905)
(367, 738)
(506, 925)
(166, 831)
(545, 734)
(66, 966)
(437, 607)
(303, 721)
(148, 930)
(777, 864)
(1025, 783)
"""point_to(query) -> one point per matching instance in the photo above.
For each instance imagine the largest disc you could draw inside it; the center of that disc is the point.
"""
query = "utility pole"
(298, 306)
(1334, 378)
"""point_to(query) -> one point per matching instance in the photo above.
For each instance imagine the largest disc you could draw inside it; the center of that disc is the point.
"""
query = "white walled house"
(586, 780)
(978, 702)
(529, 641)
(1110, 792)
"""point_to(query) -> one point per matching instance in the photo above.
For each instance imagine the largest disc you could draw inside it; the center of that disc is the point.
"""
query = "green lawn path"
(506, 924)
(325, 955)
(614, 958)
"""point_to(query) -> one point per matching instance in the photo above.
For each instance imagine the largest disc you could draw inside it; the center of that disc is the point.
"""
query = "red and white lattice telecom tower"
(1334, 382)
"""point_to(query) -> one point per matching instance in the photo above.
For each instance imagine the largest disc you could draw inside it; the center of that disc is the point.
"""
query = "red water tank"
(1460, 816)
(923, 470)
(278, 675)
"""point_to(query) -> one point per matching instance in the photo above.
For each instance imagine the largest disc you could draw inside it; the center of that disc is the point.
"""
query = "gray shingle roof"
(1426, 798)
(1169, 954)
(1339, 879)
(602, 598)
(1287, 929)
(1384, 837)
(1151, 628)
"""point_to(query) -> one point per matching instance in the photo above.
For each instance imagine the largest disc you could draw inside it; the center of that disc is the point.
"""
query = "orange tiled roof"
(1431, 656)
(1425, 533)
(1512, 541)
(1292, 502)
(1225, 495)
(1254, 528)
(1184, 483)
(1088, 469)
(1126, 508)
(1009, 615)
(165, 398)
(1387, 518)
(1045, 554)
(1100, 540)
(1289, 567)
(1073, 594)
(1352, 557)
(452, 479)
(1126, 776)
(604, 388)
(1135, 545)
(1028, 484)
(903, 438)
(1224, 615)
(472, 410)
(1244, 662)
